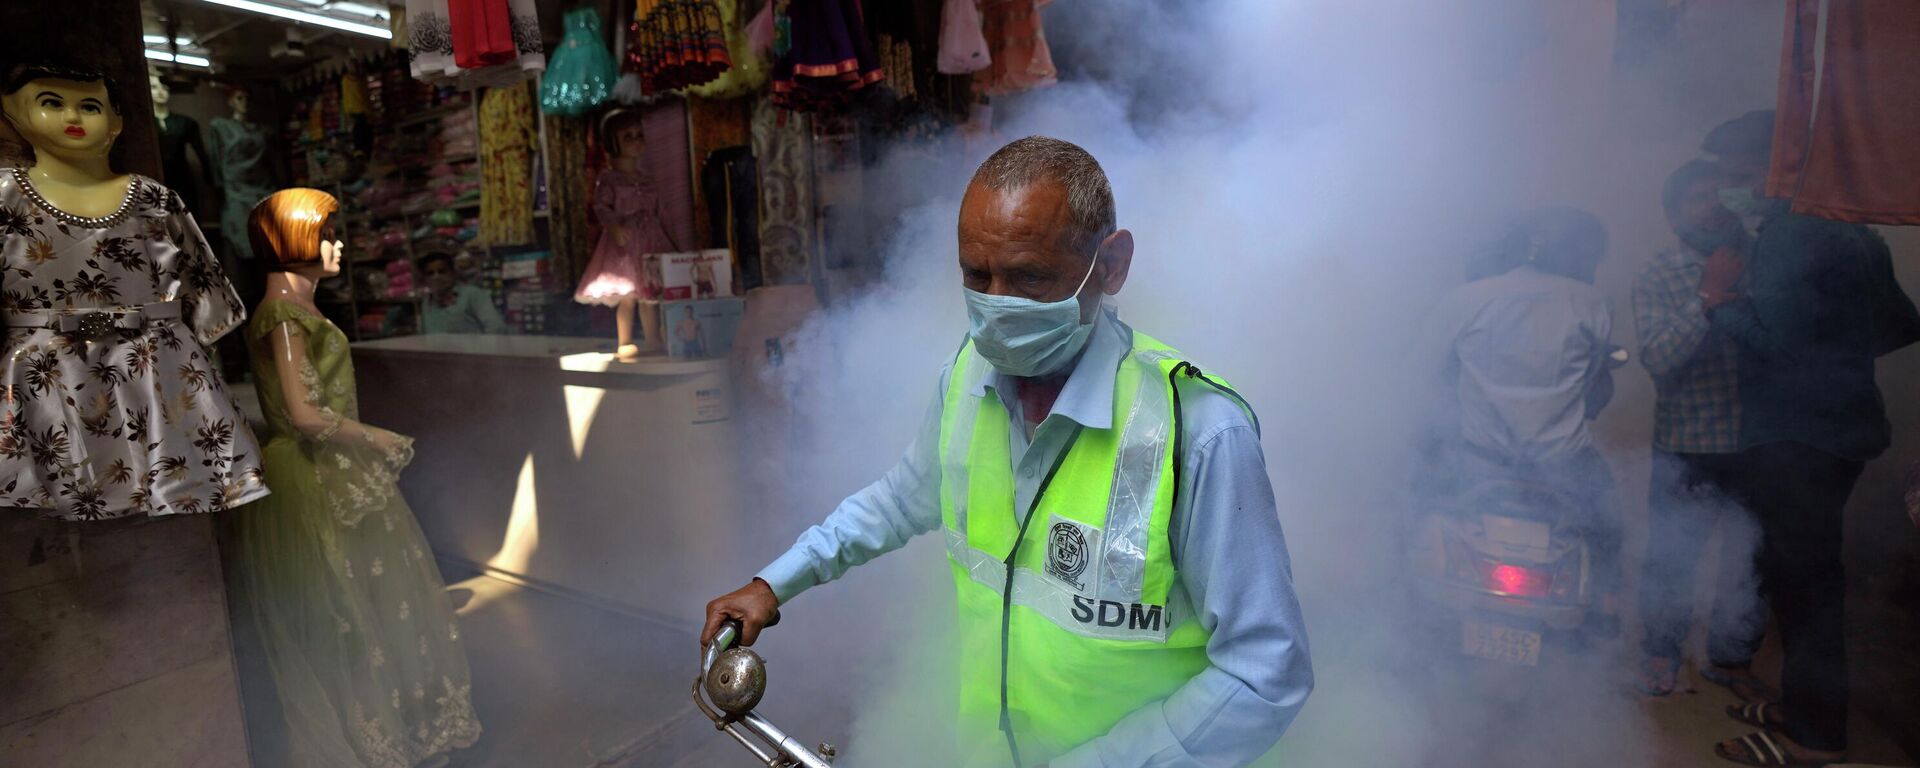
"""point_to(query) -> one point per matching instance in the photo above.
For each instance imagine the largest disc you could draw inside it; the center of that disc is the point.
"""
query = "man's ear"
(1115, 259)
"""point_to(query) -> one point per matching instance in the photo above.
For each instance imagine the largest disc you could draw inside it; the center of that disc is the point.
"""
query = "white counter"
(545, 459)
(570, 353)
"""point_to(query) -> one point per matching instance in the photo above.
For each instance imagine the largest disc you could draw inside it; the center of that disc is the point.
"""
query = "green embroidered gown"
(336, 576)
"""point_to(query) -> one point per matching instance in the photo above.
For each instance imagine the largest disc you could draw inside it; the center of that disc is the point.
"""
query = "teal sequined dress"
(581, 73)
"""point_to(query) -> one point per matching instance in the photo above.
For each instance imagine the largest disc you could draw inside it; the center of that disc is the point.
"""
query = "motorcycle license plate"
(1498, 643)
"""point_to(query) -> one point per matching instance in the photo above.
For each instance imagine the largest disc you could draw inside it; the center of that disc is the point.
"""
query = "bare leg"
(623, 324)
(650, 328)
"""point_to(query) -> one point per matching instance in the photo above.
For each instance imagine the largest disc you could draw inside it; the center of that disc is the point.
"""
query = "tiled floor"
(560, 683)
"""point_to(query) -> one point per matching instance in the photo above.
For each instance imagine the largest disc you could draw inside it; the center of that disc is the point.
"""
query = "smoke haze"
(1304, 180)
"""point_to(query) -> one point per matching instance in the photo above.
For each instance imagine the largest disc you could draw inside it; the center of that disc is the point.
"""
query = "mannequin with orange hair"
(332, 569)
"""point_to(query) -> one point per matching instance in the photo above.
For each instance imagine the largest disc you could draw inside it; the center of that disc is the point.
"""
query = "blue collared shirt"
(1228, 551)
(1520, 351)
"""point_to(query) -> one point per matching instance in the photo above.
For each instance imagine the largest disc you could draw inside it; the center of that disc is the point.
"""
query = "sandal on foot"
(1762, 749)
(1655, 680)
(1747, 687)
(1759, 715)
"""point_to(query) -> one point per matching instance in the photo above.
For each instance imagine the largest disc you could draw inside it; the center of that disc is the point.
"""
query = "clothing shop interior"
(395, 384)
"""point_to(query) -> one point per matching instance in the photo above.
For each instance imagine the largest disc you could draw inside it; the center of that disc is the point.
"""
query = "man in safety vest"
(1123, 585)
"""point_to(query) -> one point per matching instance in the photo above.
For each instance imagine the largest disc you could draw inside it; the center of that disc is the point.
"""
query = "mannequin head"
(237, 101)
(623, 135)
(161, 93)
(293, 230)
(66, 112)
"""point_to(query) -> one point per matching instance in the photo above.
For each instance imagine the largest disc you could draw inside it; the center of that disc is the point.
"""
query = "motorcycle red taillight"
(1515, 580)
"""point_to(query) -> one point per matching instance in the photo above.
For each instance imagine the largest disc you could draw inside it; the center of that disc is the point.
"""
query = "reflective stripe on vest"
(1095, 626)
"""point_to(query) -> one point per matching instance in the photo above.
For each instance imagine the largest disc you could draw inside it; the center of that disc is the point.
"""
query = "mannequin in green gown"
(351, 610)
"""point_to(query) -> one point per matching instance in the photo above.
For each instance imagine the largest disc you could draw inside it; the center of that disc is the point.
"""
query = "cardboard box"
(702, 328)
(704, 274)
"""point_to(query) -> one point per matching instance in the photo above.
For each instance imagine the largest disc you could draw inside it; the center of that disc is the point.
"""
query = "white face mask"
(1022, 337)
(1741, 200)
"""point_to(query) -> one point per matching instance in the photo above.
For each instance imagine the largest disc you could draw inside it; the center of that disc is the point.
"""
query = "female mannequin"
(625, 269)
(108, 404)
(333, 570)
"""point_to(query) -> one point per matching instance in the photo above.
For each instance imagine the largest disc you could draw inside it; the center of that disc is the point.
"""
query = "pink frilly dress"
(624, 200)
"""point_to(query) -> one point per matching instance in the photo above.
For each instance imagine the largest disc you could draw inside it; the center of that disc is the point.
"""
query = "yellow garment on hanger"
(316, 124)
(353, 94)
(507, 139)
(749, 70)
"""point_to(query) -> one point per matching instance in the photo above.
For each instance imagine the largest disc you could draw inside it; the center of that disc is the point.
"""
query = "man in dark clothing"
(1814, 304)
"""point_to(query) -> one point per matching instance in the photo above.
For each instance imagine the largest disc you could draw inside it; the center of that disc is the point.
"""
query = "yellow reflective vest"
(1068, 617)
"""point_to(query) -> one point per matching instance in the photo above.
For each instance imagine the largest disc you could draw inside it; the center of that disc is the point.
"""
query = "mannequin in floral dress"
(109, 403)
(332, 569)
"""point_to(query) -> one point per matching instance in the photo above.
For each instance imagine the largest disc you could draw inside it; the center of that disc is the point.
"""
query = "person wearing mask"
(452, 307)
(1696, 448)
(1092, 631)
(1811, 307)
(1522, 362)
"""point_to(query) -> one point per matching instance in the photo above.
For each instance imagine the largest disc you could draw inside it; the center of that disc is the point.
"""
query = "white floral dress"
(106, 422)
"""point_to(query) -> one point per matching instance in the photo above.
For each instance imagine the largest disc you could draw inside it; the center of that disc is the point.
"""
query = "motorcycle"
(1502, 565)
(1507, 560)
(731, 683)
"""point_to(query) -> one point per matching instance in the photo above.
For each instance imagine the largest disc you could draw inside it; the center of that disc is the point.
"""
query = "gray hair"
(1089, 196)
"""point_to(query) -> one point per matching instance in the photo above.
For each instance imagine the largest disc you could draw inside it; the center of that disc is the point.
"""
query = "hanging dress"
(335, 575)
(581, 73)
(482, 33)
(506, 187)
(109, 405)
(963, 45)
(747, 70)
(1017, 43)
(828, 59)
(676, 44)
(433, 57)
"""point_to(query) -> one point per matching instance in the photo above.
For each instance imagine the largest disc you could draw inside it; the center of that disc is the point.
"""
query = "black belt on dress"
(95, 323)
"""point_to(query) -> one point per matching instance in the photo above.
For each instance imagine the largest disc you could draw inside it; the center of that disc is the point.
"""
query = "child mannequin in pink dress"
(625, 266)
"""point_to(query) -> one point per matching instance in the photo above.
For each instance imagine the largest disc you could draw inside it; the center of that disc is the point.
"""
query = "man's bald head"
(1089, 198)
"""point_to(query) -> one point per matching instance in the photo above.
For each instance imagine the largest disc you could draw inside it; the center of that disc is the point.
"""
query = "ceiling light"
(162, 40)
(191, 61)
(359, 9)
(306, 17)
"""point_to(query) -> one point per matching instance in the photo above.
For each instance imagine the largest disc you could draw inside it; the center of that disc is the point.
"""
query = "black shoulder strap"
(1191, 371)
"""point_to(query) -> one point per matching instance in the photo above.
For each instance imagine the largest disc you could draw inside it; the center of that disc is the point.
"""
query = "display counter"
(545, 460)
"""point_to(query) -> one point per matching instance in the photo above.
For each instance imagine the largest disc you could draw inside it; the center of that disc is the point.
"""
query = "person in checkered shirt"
(1696, 448)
